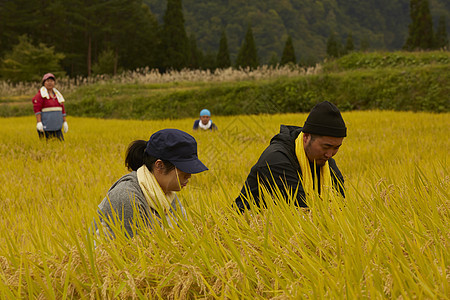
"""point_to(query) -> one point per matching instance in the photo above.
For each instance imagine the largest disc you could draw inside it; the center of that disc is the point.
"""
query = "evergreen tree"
(195, 55)
(68, 33)
(76, 28)
(106, 64)
(209, 60)
(142, 50)
(134, 43)
(175, 43)
(89, 27)
(364, 44)
(441, 34)
(83, 30)
(248, 55)
(273, 61)
(349, 46)
(420, 35)
(223, 56)
(333, 46)
(86, 29)
(27, 62)
(17, 18)
(288, 53)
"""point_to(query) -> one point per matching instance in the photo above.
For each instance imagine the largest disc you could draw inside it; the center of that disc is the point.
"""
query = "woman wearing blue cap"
(205, 122)
(159, 168)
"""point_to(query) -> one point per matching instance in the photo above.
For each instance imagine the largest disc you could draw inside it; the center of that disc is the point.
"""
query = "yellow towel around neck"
(153, 192)
(309, 185)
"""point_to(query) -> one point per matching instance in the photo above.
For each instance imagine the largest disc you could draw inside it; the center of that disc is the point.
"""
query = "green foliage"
(223, 56)
(288, 53)
(333, 46)
(83, 29)
(209, 61)
(358, 60)
(420, 35)
(195, 59)
(384, 23)
(106, 62)
(364, 45)
(27, 62)
(137, 44)
(349, 45)
(175, 43)
(273, 61)
(15, 110)
(248, 55)
(441, 34)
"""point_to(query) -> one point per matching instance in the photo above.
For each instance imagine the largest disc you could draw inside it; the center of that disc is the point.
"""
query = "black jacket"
(284, 170)
(196, 126)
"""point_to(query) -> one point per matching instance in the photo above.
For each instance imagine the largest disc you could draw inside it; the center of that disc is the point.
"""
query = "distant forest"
(383, 24)
(91, 37)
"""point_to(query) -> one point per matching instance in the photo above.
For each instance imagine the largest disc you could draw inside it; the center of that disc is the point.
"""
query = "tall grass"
(153, 76)
(387, 239)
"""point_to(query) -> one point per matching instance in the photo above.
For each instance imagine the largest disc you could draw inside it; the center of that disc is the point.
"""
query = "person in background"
(205, 122)
(296, 158)
(159, 168)
(48, 105)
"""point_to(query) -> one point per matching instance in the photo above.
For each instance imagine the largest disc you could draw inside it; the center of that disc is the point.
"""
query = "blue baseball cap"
(205, 112)
(177, 147)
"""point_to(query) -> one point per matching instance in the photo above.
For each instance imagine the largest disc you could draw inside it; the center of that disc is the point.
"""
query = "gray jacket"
(121, 198)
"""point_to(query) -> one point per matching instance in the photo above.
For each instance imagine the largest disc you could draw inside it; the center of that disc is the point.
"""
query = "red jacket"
(39, 103)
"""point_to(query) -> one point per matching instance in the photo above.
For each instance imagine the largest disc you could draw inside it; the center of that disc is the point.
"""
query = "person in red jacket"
(48, 105)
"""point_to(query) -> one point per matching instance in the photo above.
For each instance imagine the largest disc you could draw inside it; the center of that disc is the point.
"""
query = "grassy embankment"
(388, 239)
(392, 81)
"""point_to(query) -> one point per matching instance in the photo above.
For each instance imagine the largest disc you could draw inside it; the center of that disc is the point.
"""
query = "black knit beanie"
(325, 119)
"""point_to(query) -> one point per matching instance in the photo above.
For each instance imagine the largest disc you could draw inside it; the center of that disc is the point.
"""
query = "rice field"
(388, 238)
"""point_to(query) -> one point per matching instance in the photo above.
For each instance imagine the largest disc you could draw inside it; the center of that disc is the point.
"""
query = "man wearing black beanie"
(297, 157)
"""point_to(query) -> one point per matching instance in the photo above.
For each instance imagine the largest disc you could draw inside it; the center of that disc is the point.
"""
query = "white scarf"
(44, 94)
(153, 192)
(205, 127)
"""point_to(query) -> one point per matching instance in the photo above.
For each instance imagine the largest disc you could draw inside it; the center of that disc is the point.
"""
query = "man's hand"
(66, 127)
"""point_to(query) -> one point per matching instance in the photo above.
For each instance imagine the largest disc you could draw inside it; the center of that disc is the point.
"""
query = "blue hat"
(177, 147)
(205, 112)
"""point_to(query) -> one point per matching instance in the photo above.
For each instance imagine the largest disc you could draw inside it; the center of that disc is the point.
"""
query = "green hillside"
(404, 81)
(381, 23)
(96, 37)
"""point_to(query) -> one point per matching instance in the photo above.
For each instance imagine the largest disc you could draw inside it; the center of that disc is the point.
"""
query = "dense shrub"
(415, 89)
(358, 60)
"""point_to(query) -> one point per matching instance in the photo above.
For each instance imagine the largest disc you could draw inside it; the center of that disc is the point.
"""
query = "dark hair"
(314, 136)
(48, 79)
(136, 157)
